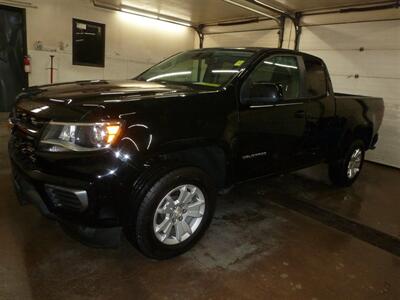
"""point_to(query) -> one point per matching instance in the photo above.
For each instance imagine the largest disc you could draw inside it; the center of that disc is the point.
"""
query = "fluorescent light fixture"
(252, 9)
(154, 16)
(225, 71)
(134, 12)
(169, 75)
(175, 22)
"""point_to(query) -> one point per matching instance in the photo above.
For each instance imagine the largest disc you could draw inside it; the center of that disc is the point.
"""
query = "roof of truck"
(254, 49)
(261, 49)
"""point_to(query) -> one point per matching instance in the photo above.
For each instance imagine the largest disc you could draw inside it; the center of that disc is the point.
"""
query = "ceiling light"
(173, 21)
(154, 16)
(135, 12)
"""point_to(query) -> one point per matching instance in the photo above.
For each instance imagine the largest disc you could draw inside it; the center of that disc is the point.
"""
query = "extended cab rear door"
(320, 109)
(271, 132)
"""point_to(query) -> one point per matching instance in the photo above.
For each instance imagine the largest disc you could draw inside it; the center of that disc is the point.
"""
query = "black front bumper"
(27, 193)
(97, 222)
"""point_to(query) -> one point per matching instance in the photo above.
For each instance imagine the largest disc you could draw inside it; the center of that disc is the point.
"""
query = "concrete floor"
(254, 249)
(373, 200)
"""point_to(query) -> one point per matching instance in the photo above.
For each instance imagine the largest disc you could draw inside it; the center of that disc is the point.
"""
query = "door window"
(280, 70)
(315, 77)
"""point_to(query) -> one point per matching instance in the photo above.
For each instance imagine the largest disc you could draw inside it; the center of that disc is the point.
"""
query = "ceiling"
(214, 11)
(195, 11)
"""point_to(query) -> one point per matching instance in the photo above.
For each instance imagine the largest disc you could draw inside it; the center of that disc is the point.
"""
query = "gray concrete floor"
(254, 249)
(374, 200)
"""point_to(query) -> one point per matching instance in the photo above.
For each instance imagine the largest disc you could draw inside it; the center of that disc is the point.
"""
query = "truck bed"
(361, 110)
(344, 95)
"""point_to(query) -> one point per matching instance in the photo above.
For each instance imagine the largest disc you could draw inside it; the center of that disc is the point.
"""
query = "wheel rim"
(179, 214)
(354, 165)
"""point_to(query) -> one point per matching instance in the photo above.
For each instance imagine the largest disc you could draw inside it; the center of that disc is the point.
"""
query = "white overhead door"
(364, 58)
(267, 38)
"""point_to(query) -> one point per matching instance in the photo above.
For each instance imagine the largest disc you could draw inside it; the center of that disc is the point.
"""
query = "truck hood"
(83, 90)
(76, 100)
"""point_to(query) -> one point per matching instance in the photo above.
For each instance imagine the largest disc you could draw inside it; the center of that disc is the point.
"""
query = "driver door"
(271, 129)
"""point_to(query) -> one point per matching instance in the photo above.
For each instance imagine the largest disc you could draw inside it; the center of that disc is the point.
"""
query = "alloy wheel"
(353, 167)
(179, 214)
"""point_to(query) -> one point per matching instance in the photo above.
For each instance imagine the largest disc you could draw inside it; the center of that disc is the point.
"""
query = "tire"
(339, 170)
(156, 209)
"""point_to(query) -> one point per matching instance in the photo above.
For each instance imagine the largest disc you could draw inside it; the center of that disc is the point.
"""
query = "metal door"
(12, 51)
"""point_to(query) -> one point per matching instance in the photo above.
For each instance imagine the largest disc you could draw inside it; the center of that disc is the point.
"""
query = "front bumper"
(27, 193)
(94, 219)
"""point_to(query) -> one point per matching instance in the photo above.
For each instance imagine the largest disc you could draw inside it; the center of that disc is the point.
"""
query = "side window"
(280, 70)
(315, 77)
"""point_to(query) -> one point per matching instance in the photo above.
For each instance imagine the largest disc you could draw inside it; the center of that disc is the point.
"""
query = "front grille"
(24, 150)
(25, 135)
(27, 122)
(68, 199)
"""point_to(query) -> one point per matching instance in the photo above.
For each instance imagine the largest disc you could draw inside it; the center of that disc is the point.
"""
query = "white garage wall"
(378, 67)
(133, 43)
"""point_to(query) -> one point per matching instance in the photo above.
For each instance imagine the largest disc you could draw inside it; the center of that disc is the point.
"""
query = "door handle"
(299, 114)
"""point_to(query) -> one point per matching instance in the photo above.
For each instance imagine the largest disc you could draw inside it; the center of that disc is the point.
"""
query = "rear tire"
(167, 225)
(346, 170)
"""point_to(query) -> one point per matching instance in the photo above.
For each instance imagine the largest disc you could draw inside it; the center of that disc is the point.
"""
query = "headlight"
(59, 137)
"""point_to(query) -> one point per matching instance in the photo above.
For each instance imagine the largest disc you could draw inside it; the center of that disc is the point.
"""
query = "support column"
(200, 33)
(297, 25)
(281, 31)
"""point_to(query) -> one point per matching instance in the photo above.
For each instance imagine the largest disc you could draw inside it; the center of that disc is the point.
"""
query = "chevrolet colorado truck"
(147, 156)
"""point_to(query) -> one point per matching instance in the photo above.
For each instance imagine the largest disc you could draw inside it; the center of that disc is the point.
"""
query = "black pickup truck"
(147, 156)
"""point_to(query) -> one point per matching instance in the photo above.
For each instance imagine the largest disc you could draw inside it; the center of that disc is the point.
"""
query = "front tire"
(346, 170)
(174, 214)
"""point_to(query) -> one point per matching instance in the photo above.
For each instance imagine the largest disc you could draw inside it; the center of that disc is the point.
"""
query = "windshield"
(208, 67)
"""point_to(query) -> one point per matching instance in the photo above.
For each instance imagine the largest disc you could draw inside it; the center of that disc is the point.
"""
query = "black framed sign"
(88, 43)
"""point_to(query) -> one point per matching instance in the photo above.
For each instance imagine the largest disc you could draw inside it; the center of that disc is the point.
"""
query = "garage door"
(268, 38)
(370, 50)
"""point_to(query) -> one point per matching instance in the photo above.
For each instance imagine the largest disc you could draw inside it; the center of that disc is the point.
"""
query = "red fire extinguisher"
(27, 64)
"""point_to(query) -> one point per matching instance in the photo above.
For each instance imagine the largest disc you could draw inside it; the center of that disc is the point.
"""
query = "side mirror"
(264, 93)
